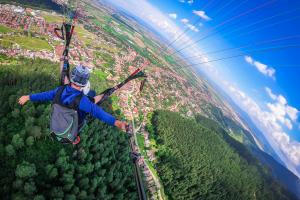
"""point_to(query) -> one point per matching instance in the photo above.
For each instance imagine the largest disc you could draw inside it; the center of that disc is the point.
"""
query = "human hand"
(23, 99)
(98, 98)
(121, 125)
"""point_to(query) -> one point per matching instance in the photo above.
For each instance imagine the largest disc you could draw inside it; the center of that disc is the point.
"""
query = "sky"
(263, 82)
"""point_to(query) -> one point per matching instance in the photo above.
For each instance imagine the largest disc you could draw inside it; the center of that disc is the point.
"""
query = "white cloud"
(192, 27)
(190, 1)
(184, 20)
(269, 92)
(160, 22)
(249, 59)
(262, 68)
(281, 107)
(290, 148)
(201, 14)
(281, 100)
(278, 111)
(292, 113)
(272, 121)
(288, 124)
(173, 15)
(151, 15)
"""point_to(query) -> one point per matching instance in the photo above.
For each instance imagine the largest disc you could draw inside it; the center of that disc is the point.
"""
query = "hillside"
(199, 150)
(281, 174)
(254, 155)
(33, 165)
(114, 44)
(198, 163)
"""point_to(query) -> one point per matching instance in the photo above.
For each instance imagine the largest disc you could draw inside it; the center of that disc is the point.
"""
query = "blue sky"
(265, 85)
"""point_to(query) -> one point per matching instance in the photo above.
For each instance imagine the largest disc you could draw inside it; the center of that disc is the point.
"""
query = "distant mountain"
(141, 22)
(269, 157)
(199, 160)
(254, 156)
(279, 172)
(246, 118)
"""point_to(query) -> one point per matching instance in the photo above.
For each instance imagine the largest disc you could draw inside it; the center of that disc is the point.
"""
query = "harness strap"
(73, 105)
(58, 94)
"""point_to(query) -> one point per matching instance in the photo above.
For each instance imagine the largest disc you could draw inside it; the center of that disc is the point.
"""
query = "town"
(95, 48)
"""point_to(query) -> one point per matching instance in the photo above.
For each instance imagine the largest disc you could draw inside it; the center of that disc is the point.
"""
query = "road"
(135, 130)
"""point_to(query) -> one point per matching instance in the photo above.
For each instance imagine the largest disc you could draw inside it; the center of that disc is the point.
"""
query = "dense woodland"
(200, 163)
(33, 166)
(220, 120)
(197, 159)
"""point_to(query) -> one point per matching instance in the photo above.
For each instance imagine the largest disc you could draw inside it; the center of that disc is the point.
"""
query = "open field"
(85, 36)
(30, 43)
(52, 18)
(100, 74)
(5, 29)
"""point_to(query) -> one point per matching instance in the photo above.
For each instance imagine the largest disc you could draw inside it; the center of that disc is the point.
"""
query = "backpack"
(64, 118)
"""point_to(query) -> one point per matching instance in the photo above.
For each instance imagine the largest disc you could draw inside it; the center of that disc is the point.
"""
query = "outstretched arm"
(87, 106)
(42, 97)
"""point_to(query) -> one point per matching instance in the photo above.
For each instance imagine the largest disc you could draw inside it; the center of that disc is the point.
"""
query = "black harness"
(74, 105)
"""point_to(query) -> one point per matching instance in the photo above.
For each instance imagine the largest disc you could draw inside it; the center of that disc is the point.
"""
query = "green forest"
(200, 161)
(33, 166)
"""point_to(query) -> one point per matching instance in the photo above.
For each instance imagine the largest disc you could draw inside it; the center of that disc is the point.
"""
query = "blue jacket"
(85, 106)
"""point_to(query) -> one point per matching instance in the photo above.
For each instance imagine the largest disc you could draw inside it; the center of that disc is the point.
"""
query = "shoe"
(77, 140)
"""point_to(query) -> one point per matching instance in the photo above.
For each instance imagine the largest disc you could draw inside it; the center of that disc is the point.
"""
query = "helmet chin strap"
(77, 87)
(86, 88)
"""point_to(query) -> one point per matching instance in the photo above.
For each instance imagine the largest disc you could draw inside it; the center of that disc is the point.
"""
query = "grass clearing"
(87, 37)
(6, 44)
(141, 142)
(110, 61)
(237, 137)
(97, 22)
(107, 48)
(114, 102)
(30, 43)
(52, 18)
(100, 74)
(5, 29)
